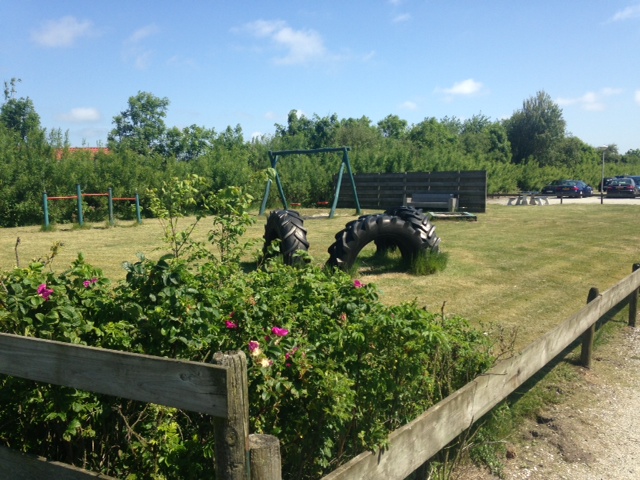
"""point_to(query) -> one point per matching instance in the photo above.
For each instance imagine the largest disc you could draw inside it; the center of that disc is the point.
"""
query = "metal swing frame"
(275, 156)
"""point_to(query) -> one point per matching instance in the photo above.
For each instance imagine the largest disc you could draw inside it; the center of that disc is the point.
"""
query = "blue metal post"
(45, 203)
(335, 196)
(267, 191)
(138, 209)
(111, 222)
(345, 159)
(79, 193)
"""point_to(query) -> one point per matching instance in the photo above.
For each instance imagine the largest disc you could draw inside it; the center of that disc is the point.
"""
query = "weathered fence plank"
(232, 433)
(186, 385)
(21, 466)
(589, 334)
(633, 301)
(413, 444)
(266, 463)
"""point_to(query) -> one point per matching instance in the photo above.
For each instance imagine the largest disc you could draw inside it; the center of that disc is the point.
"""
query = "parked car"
(623, 187)
(573, 188)
(606, 183)
(551, 188)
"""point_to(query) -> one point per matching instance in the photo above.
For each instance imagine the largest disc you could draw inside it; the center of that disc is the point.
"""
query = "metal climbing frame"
(275, 156)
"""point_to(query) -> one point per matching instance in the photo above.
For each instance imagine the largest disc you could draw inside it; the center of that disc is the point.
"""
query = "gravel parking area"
(557, 201)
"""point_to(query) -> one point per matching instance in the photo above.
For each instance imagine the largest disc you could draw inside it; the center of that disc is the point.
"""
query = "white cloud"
(61, 33)
(142, 33)
(181, 62)
(300, 46)
(607, 91)
(408, 105)
(81, 115)
(405, 17)
(626, 14)
(134, 49)
(464, 88)
(590, 101)
(637, 97)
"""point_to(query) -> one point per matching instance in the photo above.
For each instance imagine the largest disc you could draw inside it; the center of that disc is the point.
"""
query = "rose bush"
(332, 370)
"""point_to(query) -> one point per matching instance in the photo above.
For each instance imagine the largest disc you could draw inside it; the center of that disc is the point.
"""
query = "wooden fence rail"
(221, 391)
(217, 390)
(414, 444)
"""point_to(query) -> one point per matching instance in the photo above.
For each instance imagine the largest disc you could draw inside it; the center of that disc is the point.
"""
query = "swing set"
(79, 196)
(275, 156)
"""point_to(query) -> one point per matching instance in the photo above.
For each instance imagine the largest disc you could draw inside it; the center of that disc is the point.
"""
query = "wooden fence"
(219, 390)
(412, 445)
(386, 190)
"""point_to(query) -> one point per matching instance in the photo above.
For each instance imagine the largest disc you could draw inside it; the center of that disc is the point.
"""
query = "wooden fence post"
(633, 302)
(265, 457)
(231, 434)
(587, 336)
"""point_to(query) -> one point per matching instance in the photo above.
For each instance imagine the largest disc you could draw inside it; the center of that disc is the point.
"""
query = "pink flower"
(253, 345)
(279, 332)
(44, 292)
(88, 283)
(231, 325)
(288, 355)
(358, 284)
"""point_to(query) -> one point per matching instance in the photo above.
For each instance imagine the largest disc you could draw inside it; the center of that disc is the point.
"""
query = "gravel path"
(595, 434)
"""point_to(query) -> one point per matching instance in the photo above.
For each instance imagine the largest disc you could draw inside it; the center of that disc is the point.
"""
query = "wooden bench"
(441, 201)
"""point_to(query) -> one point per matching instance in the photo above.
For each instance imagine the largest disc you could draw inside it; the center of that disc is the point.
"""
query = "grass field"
(520, 267)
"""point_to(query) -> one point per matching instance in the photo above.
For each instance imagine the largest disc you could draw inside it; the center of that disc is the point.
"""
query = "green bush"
(332, 370)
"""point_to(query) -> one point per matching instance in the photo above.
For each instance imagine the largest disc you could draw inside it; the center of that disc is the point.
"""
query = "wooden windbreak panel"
(387, 190)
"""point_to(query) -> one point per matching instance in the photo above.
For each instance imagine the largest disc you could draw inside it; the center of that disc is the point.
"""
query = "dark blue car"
(573, 188)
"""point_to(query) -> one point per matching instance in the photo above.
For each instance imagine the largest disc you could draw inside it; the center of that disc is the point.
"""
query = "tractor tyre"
(409, 238)
(286, 226)
(419, 220)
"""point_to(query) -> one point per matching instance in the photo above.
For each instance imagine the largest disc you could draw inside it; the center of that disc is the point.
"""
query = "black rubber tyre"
(286, 226)
(419, 220)
(410, 239)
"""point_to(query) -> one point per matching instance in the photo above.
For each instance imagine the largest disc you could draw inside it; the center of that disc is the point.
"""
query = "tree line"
(523, 152)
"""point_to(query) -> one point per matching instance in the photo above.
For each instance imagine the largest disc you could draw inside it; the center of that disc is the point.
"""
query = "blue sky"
(251, 62)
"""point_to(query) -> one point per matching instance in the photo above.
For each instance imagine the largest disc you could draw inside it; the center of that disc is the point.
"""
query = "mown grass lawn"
(527, 268)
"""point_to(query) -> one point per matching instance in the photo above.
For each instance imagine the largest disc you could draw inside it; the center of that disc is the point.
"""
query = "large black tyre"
(419, 220)
(410, 239)
(286, 226)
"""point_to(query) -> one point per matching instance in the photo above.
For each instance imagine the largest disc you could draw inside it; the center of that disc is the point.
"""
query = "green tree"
(393, 126)
(481, 136)
(141, 126)
(536, 130)
(358, 134)
(19, 115)
(432, 134)
(189, 143)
